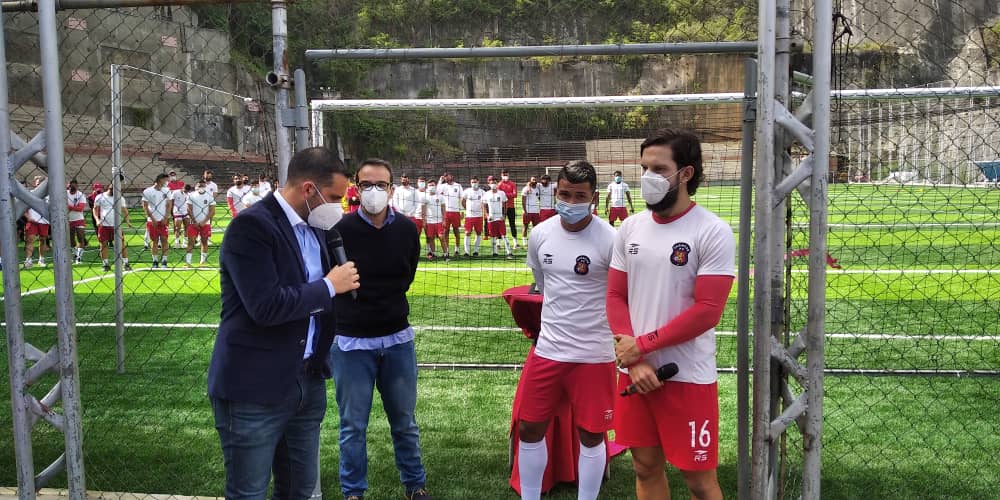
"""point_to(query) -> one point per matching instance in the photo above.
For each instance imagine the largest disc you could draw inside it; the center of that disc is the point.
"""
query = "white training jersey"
(404, 200)
(212, 188)
(452, 194)
(199, 205)
(547, 196)
(236, 194)
(419, 200)
(180, 203)
(73, 199)
(616, 194)
(106, 203)
(249, 199)
(531, 202)
(495, 202)
(663, 260)
(434, 215)
(35, 217)
(265, 188)
(473, 202)
(156, 200)
(574, 270)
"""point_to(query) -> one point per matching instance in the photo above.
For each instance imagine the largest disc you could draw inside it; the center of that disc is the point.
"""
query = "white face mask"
(432, 189)
(654, 186)
(421, 184)
(474, 185)
(504, 177)
(493, 187)
(374, 200)
(326, 215)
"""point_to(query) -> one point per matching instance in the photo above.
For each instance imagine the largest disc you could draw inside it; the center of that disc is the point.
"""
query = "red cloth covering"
(562, 438)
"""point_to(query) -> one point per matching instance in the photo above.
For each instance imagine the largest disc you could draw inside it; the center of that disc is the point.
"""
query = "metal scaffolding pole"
(301, 111)
(279, 80)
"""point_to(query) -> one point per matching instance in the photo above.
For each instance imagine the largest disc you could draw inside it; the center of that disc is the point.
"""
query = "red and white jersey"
(473, 202)
(574, 269)
(662, 261)
(434, 215)
(180, 202)
(212, 188)
(156, 200)
(265, 188)
(531, 201)
(236, 194)
(452, 194)
(199, 205)
(106, 204)
(35, 217)
(616, 194)
(404, 200)
(73, 199)
(547, 196)
(495, 201)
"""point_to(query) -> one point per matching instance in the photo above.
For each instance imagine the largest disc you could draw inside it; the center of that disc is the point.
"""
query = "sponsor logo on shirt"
(609, 415)
(700, 455)
(582, 265)
(547, 259)
(633, 249)
(679, 256)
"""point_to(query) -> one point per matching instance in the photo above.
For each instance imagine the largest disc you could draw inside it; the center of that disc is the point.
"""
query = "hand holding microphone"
(344, 275)
(642, 373)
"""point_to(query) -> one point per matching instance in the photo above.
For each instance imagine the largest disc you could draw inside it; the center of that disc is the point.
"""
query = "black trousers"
(512, 221)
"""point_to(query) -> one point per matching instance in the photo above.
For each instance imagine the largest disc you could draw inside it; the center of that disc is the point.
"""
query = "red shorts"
(498, 228)
(530, 218)
(545, 213)
(157, 229)
(36, 229)
(590, 388)
(195, 231)
(680, 418)
(82, 224)
(105, 234)
(419, 223)
(452, 219)
(617, 213)
(434, 230)
(474, 224)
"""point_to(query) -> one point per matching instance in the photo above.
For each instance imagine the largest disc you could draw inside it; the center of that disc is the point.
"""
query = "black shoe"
(107, 268)
(128, 267)
(475, 254)
(418, 494)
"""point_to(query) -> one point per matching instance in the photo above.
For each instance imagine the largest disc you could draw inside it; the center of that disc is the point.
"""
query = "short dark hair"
(617, 172)
(161, 176)
(317, 164)
(375, 162)
(686, 149)
(188, 188)
(578, 172)
(474, 178)
(504, 171)
(73, 181)
(546, 177)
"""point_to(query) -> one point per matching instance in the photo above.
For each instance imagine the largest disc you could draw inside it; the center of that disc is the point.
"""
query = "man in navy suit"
(266, 380)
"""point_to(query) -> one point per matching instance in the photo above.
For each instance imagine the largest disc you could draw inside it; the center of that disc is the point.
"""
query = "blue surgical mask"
(572, 213)
(618, 179)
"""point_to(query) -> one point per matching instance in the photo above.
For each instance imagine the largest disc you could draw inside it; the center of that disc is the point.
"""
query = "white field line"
(501, 329)
(78, 282)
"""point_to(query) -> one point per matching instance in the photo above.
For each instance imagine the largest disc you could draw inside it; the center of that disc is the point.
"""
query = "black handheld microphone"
(335, 245)
(662, 373)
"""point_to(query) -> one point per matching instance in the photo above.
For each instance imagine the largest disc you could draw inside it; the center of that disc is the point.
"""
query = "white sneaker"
(28, 264)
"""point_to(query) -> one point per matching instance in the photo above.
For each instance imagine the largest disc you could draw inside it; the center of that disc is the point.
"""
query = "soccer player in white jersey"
(201, 210)
(671, 272)
(472, 201)
(264, 185)
(104, 214)
(77, 204)
(157, 204)
(234, 196)
(253, 196)
(574, 355)
(434, 210)
(419, 202)
(452, 193)
(618, 194)
(179, 198)
(495, 203)
(530, 207)
(546, 198)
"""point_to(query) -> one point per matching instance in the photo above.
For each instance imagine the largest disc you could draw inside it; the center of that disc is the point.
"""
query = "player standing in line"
(157, 204)
(546, 198)
(404, 201)
(452, 193)
(419, 203)
(179, 199)
(434, 210)
(234, 196)
(618, 193)
(77, 204)
(671, 272)
(104, 206)
(253, 196)
(496, 202)
(509, 188)
(201, 210)
(212, 188)
(574, 354)
(264, 185)
(472, 202)
(530, 207)
(175, 186)
(36, 227)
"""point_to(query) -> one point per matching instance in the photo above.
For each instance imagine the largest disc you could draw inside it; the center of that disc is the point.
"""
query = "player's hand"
(344, 278)
(643, 375)
(626, 351)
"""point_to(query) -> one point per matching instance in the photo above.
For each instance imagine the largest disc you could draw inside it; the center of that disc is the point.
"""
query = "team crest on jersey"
(679, 255)
(633, 249)
(582, 265)
(547, 258)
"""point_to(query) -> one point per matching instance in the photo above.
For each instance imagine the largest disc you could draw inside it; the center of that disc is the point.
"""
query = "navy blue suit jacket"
(266, 306)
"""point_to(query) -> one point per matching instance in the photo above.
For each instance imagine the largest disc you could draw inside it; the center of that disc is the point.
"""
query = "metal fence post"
(116, 186)
(301, 111)
(743, 285)
(279, 79)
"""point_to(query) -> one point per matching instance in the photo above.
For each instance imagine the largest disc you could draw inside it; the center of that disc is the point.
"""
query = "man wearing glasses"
(374, 344)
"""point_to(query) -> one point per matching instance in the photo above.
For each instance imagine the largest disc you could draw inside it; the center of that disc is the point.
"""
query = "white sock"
(28, 261)
(494, 246)
(204, 257)
(506, 245)
(105, 261)
(41, 260)
(187, 258)
(466, 245)
(531, 461)
(124, 260)
(591, 471)
(479, 241)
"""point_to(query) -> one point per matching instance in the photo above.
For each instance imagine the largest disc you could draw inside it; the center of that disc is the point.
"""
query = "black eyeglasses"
(380, 185)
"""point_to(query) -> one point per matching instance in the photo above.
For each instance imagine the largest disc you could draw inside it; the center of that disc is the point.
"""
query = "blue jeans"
(394, 372)
(284, 439)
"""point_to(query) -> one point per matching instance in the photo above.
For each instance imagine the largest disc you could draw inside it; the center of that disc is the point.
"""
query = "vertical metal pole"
(58, 215)
(17, 361)
(743, 283)
(301, 111)
(279, 29)
(317, 128)
(812, 436)
(763, 186)
(116, 190)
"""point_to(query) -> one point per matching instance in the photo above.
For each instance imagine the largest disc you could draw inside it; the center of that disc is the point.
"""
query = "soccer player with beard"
(671, 272)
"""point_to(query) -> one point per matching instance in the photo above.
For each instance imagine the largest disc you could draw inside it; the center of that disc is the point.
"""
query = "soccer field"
(919, 291)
